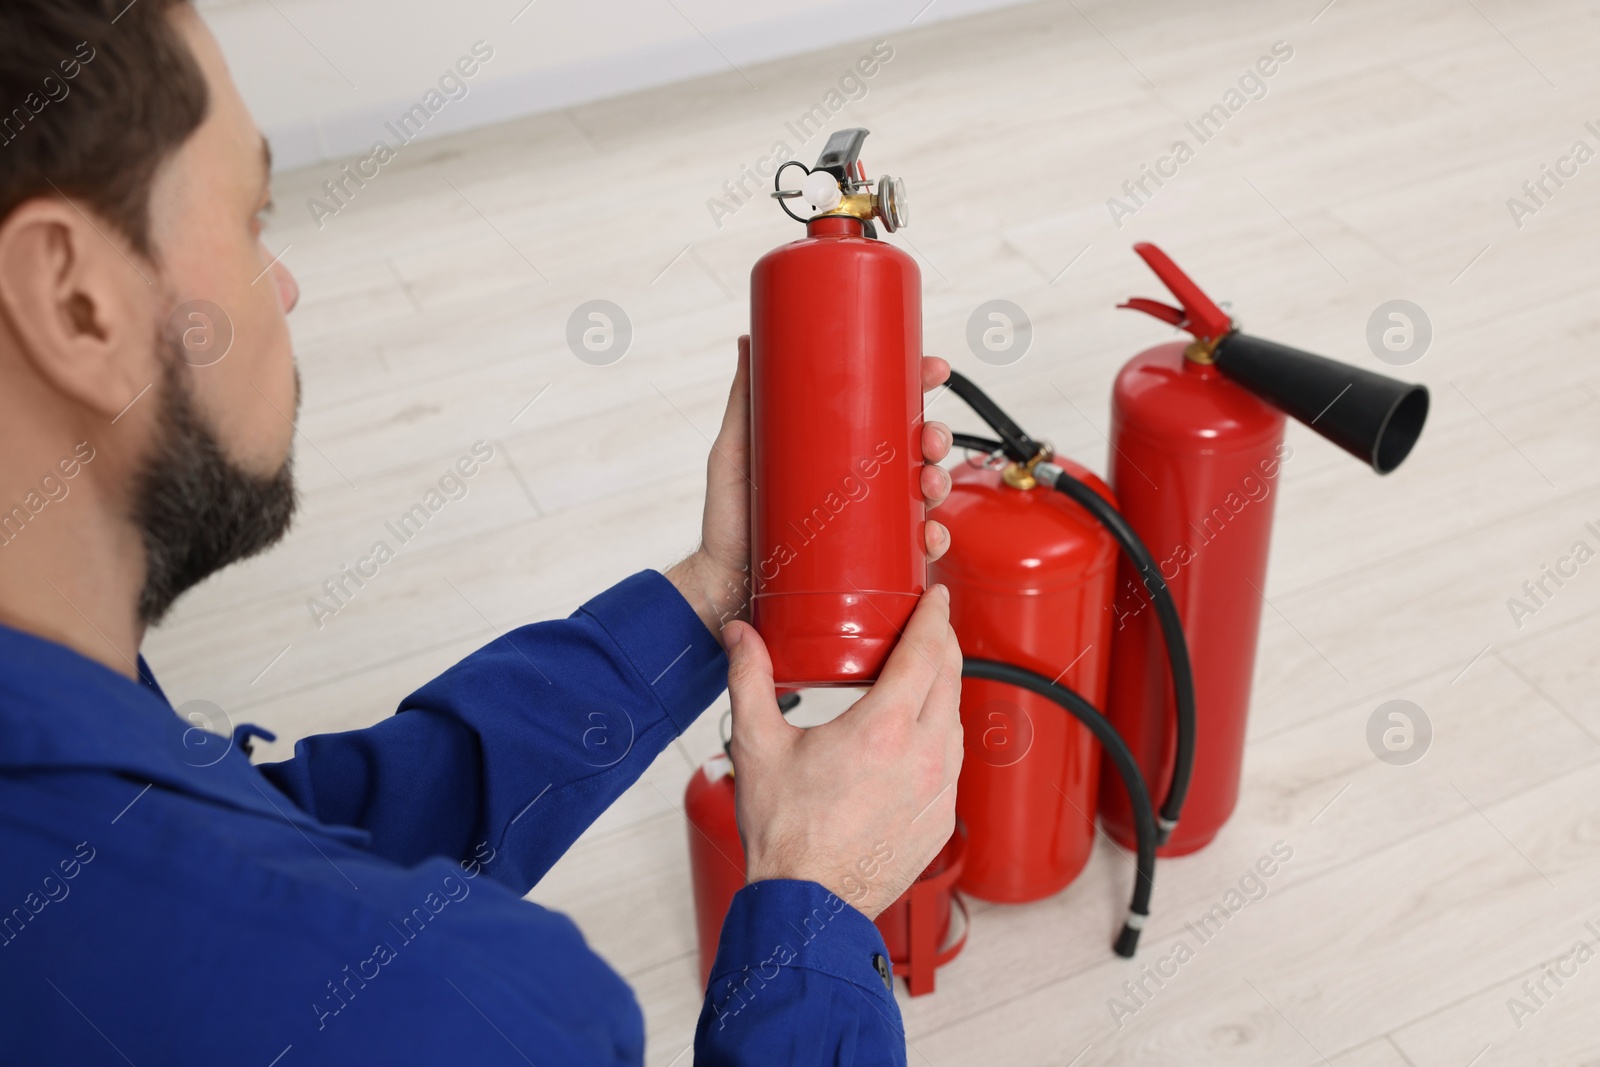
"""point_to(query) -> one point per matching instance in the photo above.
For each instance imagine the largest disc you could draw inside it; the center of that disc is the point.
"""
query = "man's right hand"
(863, 803)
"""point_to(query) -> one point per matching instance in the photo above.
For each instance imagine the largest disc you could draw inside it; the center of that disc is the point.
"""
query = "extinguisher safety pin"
(993, 452)
(996, 460)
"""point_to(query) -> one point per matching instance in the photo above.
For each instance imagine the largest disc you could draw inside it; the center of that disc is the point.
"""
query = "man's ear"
(79, 301)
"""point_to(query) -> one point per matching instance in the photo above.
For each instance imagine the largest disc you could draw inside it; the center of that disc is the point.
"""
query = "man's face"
(205, 213)
(215, 484)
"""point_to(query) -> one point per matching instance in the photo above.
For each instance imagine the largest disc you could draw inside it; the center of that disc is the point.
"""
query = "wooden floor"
(1377, 166)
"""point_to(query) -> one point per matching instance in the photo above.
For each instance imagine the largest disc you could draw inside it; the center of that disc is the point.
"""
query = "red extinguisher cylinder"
(916, 928)
(716, 856)
(836, 510)
(1196, 447)
(1194, 460)
(1030, 575)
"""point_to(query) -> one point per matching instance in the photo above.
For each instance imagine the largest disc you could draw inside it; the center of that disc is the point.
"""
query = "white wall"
(323, 76)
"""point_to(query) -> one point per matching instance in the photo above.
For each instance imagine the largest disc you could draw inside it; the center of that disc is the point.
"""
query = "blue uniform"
(164, 902)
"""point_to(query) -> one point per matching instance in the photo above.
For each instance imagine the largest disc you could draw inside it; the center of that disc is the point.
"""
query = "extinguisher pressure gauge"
(892, 207)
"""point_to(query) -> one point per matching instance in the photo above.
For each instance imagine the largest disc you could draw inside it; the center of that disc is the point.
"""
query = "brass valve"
(1020, 475)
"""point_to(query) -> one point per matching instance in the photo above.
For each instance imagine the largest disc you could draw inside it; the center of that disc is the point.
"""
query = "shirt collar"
(60, 710)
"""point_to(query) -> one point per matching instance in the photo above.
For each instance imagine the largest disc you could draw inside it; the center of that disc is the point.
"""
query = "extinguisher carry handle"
(1165, 312)
(1200, 315)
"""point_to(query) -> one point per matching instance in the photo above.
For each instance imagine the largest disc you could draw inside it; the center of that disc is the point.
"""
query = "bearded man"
(360, 902)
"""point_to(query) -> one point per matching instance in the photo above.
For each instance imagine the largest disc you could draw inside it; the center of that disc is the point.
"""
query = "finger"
(936, 485)
(935, 372)
(936, 539)
(942, 709)
(936, 441)
(757, 722)
(735, 429)
(916, 660)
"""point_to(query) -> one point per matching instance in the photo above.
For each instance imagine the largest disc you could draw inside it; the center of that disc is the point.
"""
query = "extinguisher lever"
(1200, 315)
(839, 155)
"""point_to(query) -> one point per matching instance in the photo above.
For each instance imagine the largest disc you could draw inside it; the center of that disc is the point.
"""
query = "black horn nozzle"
(1373, 417)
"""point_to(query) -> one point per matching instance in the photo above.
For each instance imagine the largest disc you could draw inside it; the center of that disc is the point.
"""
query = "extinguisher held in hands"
(836, 510)
(1196, 449)
(838, 562)
(837, 559)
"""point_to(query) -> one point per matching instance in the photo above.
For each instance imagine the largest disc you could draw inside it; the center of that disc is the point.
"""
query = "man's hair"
(94, 96)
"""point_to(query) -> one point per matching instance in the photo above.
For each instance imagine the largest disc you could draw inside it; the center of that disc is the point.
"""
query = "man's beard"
(196, 509)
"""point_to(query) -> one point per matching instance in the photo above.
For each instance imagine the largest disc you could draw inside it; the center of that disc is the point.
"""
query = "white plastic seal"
(821, 190)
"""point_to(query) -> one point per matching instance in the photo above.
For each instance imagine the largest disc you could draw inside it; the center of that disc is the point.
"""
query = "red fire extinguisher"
(836, 510)
(1196, 449)
(916, 928)
(716, 857)
(1030, 575)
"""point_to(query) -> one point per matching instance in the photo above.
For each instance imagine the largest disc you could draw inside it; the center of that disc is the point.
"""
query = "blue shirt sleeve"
(515, 750)
(800, 977)
(507, 757)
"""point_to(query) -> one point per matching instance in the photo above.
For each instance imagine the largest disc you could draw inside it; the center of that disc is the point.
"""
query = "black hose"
(976, 444)
(1018, 445)
(1138, 795)
(1023, 449)
(1171, 631)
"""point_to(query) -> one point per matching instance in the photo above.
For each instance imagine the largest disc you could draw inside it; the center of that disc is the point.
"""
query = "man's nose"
(288, 288)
